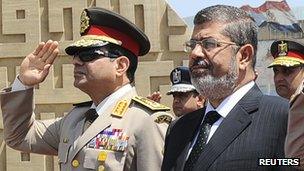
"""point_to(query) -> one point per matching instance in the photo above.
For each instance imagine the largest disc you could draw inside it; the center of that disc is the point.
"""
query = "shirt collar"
(229, 102)
(112, 98)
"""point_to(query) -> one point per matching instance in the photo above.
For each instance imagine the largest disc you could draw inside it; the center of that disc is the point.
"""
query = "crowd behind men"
(119, 130)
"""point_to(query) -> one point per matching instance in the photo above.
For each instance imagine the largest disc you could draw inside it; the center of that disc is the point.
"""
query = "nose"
(76, 61)
(278, 76)
(196, 53)
(176, 100)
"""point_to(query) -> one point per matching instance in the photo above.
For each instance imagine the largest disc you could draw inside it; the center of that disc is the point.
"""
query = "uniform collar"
(112, 98)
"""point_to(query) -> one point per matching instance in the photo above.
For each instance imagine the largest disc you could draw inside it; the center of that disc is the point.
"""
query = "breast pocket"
(63, 152)
(114, 161)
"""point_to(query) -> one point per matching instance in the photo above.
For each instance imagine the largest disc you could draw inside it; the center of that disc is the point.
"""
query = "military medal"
(110, 139)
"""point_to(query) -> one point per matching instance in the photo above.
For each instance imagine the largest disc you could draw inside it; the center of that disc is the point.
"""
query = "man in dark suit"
(239, 127)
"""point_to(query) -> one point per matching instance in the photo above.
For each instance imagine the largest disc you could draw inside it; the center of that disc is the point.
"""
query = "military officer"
(287, 66)
(288, 77)
(185, 97)
(117, 130)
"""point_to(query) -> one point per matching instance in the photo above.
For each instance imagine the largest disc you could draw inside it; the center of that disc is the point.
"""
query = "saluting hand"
(35, 67)
(155, 96)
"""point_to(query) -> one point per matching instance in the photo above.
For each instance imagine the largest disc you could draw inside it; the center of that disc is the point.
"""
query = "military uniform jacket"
(141, 131)
(294, 145)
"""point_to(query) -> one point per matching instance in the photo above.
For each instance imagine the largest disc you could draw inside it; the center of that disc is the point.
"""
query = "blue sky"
(186, 8)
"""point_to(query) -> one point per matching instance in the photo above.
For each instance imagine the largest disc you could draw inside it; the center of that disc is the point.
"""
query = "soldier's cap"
(100, 27)
(181, 80)
(287, 53)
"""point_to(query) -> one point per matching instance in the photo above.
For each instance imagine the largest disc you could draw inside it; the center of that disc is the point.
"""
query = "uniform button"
(101, 168)
(75, 163)
(65, 140)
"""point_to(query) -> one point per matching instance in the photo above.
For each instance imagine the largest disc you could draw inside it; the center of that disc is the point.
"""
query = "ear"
(200, 101)
(246, 52)
(122, 65)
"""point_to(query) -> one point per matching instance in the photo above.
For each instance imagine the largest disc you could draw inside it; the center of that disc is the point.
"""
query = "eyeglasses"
(90, 55)
(208, 44)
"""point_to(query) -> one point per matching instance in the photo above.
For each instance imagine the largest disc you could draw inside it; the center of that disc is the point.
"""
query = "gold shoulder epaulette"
(163, 119)
(83, 104)
(150, 104)
(120, 108)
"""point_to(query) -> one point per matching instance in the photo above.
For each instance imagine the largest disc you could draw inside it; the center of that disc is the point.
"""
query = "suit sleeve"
(294, 145)
(21, 130)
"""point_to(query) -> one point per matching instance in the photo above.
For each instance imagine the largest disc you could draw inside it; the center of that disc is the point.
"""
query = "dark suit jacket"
(255, 128)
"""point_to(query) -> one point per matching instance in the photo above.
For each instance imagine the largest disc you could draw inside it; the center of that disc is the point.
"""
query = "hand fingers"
(53, 53)
(45, 71)
(38, 48)
(44, 49)
(47, 50)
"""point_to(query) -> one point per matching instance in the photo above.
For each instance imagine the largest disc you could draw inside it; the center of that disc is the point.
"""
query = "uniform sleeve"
(150, 144)
(294, 145)
(21, 130)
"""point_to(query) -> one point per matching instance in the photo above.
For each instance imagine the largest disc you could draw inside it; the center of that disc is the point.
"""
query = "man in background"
(185, 98)
(288, 78)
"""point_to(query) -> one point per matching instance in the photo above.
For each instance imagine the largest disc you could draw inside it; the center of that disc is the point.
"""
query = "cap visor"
(286, 61)
(89, 41)
(181, 88)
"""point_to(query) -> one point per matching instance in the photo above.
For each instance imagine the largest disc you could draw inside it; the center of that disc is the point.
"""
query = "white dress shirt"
(223, 109)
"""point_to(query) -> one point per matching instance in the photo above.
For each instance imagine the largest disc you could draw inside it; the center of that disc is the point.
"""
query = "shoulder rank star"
(120, 108)
(150, 103)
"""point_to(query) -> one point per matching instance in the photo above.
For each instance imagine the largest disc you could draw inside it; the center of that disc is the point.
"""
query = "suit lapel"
(232, 126)
(103, 121)
(183, 132)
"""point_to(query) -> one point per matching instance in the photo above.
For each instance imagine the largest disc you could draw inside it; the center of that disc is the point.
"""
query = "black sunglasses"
(92, 54)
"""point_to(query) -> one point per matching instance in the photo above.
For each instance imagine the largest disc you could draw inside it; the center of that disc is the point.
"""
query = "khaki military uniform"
(129, 135)
(294, 145)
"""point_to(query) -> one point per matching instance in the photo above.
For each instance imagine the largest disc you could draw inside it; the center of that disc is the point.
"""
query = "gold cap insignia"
(282, 49)
(120, 108)
(163, 119)
(84, 22)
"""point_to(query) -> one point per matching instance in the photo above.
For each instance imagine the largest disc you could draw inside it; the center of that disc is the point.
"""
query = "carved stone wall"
(24, 23)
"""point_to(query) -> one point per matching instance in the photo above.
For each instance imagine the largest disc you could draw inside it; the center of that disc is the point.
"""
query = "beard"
(216, 87)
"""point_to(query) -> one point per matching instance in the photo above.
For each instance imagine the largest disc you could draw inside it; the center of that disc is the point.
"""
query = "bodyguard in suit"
(288, 78)
(239, 125)
(117, 130)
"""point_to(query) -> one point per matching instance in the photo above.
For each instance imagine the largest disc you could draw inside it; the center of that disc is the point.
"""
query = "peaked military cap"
(181, 80)
(287, 53)
(100, 27)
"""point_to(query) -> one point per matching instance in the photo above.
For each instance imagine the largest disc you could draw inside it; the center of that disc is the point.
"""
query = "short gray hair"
(240, 26)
